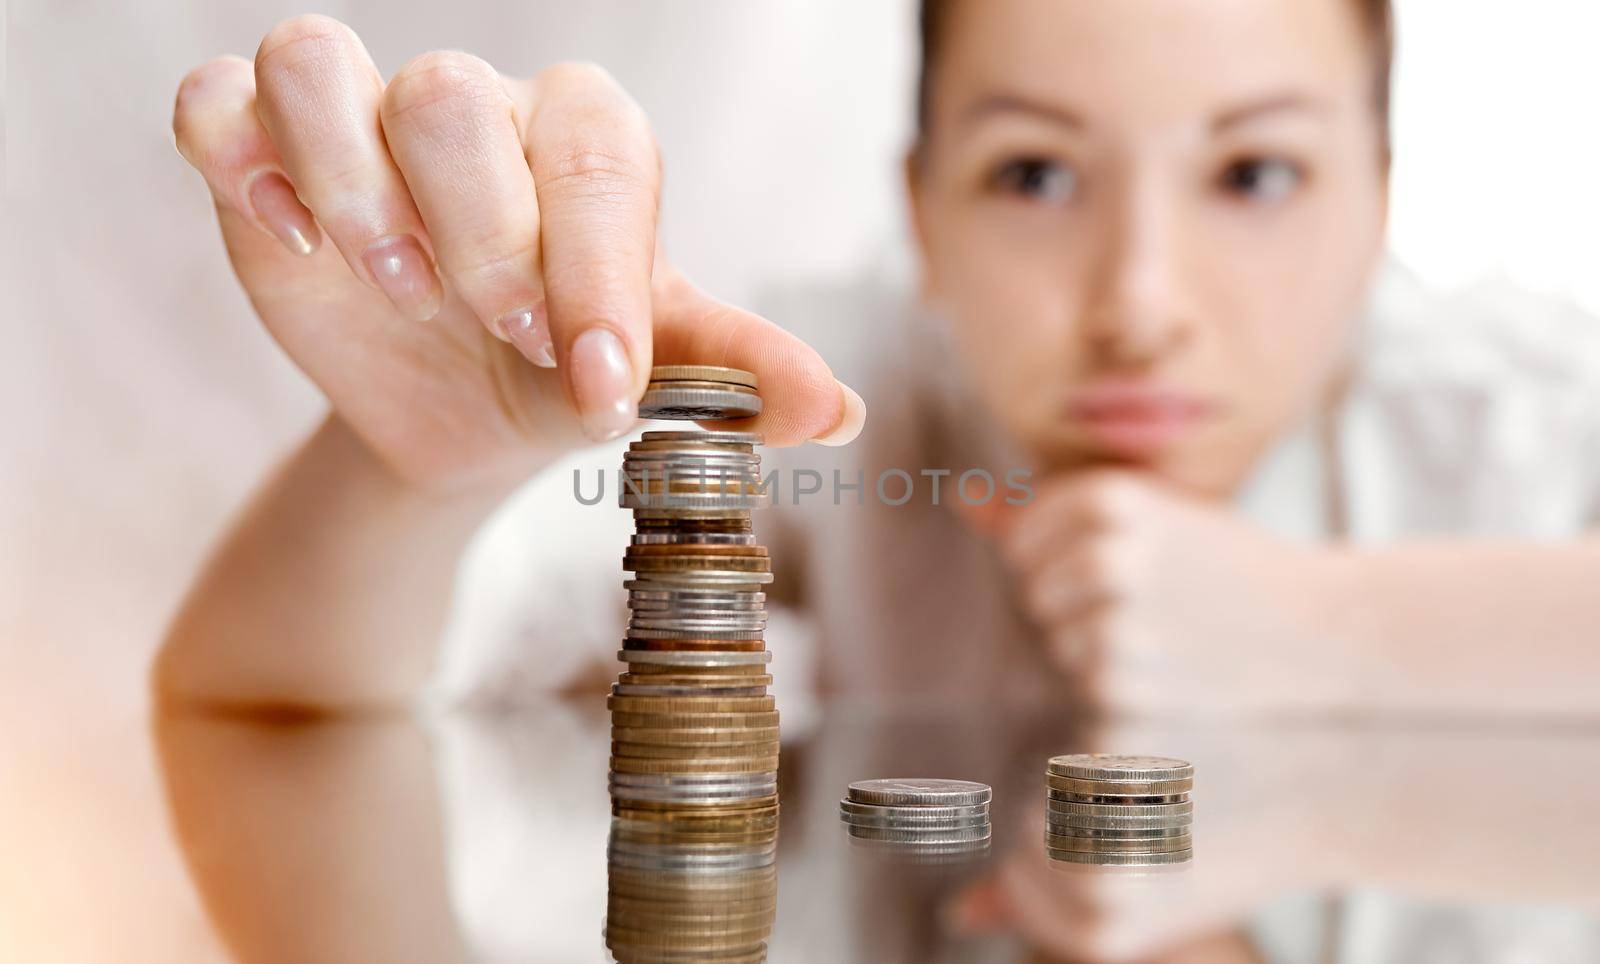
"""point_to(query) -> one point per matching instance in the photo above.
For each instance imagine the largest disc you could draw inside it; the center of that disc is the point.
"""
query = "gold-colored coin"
(692, 721)
(693, 736)
(766, 764)
(646, 751)
(704, 373)
(758, 821)
(754, 805)
(689, 704)
(1121, 860)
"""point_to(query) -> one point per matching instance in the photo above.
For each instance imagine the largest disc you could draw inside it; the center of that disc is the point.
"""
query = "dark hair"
(1377, 16)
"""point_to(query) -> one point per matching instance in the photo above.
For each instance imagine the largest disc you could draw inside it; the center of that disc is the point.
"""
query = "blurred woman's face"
(1151, 221)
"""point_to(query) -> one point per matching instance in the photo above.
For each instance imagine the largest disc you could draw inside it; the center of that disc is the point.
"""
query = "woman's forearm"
(1472, 626)
(329, 591)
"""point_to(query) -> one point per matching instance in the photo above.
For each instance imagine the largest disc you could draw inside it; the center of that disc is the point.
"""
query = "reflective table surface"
(473, 837)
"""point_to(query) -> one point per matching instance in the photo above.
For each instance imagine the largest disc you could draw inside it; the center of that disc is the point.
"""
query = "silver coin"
(932, 838)
(721, 579)
(1124, 833)
(690, 607)
(697, 596)
(1120, 768)
(702, 619)
(730, 635)
(1084, 823)
(691, 779)
(1153, 811)
(667, 657)
(914, 791)
(629, 499)
(912, 823)
(694, 539)
(710, 437)
(878, 810)
(697, 404)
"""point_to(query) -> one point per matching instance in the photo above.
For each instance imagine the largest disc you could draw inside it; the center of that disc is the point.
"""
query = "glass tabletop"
(453, 836)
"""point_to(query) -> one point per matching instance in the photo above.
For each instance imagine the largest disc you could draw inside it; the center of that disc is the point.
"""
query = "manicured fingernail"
(855, 417)
(529, 330)
(405, 274)
(278, 209)
(602, 381)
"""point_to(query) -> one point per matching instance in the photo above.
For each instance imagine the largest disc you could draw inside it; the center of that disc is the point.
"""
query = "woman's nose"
(1139, 309)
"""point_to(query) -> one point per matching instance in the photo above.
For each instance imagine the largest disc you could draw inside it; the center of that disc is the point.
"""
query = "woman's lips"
(1134, 418)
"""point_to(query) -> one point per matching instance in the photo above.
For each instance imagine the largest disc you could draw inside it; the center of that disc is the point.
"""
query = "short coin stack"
(919, 817)
(688, 890)
(693, 729)
(1119, 810)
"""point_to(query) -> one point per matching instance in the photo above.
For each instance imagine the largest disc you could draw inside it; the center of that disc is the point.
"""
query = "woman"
(1148, 233)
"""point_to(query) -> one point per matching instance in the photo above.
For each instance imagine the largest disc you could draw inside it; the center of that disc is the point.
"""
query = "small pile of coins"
(689, 890)
(1119, 810)
(919, 817)
(693, 728)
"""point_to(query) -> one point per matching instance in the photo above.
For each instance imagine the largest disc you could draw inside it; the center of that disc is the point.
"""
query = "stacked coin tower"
(1119, 810)
(693, 728)
(685, 892)
(919, 817)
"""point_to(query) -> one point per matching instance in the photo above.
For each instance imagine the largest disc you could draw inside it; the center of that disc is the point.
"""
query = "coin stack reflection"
(693, 728)
(1119, 810)
(920, 818)
(687, 890)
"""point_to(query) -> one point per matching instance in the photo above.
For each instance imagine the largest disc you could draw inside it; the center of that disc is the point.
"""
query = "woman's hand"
(1155, 601)
(466, 263)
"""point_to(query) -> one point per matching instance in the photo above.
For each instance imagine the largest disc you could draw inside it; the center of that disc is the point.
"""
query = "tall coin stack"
(694, 732)
(686, 891)
(1119, 810)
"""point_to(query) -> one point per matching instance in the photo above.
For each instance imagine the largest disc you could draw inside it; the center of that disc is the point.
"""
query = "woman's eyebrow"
(1012, 103)
(1288, 102)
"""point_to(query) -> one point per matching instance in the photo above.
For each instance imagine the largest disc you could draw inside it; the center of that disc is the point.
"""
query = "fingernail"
(528, 329)
(855, 417)
(278, 209)
(602, 381)
(402, 269)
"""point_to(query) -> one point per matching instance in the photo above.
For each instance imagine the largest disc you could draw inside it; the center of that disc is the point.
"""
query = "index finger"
(597, 179)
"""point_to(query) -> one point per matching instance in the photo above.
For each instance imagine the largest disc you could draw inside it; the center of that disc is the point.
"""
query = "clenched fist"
(1154, 600)
(466, 263)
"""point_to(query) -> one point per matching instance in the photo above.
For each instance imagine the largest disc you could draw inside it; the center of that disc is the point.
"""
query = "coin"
(1150, 812)
(919, 792)
(914, 836)
(1120, 768)
(1108, 788)
(1121, 860)
(1117, 846)
(666, 400)
(1141, 833)
(703, 373)
(636, 657)
(1113, 823)
(693, 704)
(848, 806)
(646, 751)
(699, 736)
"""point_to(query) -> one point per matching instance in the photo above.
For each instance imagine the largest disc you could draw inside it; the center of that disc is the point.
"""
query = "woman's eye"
(1036, 179)
(1265, 180)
